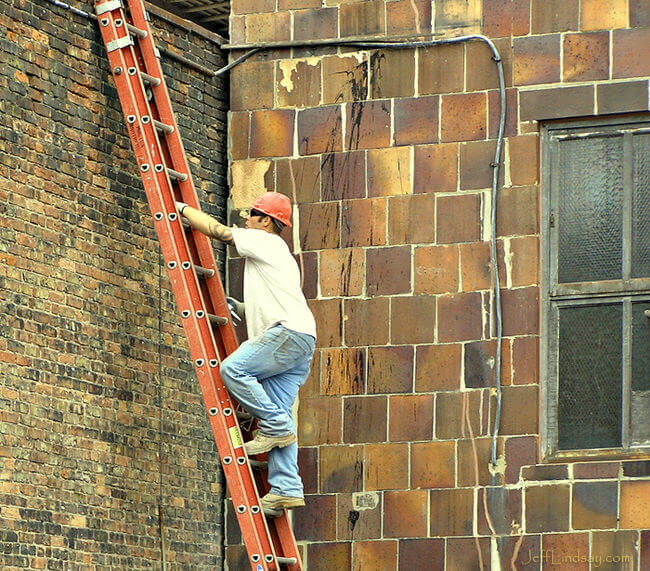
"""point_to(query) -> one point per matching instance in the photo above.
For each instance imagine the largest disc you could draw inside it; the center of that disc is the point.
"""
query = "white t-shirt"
(272, 291)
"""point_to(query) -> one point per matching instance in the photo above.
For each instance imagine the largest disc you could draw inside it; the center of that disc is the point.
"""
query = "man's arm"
(206, 224)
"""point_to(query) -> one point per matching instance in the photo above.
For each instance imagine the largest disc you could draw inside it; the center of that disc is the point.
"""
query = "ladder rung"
(258, 464)
(177, 175)
(136, 31)
(287, 560)
(217, 320)
(204, 272)
(168, 129)
(150, 79)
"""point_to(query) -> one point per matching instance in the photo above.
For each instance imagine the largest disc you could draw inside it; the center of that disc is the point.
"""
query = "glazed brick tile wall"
(387, 154)
(101, 421)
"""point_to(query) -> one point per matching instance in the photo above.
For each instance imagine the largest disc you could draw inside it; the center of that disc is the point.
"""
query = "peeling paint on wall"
(248, 181)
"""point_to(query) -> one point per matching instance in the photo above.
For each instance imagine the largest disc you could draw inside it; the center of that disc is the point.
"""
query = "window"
(596, 288)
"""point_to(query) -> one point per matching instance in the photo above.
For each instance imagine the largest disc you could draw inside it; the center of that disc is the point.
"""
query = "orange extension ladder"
(190, 263)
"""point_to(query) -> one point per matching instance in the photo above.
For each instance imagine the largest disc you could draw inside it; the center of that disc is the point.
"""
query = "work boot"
(263, 443)
(276, 502)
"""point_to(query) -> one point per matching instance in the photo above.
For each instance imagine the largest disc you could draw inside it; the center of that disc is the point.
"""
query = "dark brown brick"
(494, 113)
(271, 133)
(437, 367)
(390, 369)
(319, 23)
(344, 371)
(368, 125)
(504, 509)
(480, 364)
(364, 419)
(341, 272)
(622, 544)
(476, 158)
(385, 466)
(475, 266)
(319, 226)
(548, 16)
(440, 69)
(454, 14)
(412, 552)
(525, 360)
(458, 218)
(556, 103)
(362, 18)
(344, 79)
(405, 513)
(536, 59)
(518, 551)
(518, 212)
(319, 421)
(639, 13)
(268, 27)
(436, 168)
(564, 547)
(481, 69)
(301, 175)
(463, 553)
(594, 505)
(343, 175)
(317, 521)
(358, 524)
(433, 465)
(506, 18)
(411, 417)
(407, 16)
(363, 222)
(471, 473)
(451, 421)
(436, 269)
(410, 219)
(586, 56)
(520, 311)
(358, 313)
(523, 266)
(247, 86)
(392, 74)
(412, 319)
(327, 556)
(416, 121)
(519, 451)
(381, 555)
(308, 468)
(545, 472)
(603, 14)
(595, 470)
(636, 469)
(547, 508)
(311, 388)
(452, 512)
(622, 97)
(388, 270)
(629, 60)
(341, 468)
(459, 317)
(463, 117)
(524, 159)
(319, 130)
(644, 549)
(519, 410)
(252, 6)
(239, 135)
(329, 321)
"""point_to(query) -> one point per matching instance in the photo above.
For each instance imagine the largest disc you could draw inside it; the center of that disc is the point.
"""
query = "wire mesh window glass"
(596, 274)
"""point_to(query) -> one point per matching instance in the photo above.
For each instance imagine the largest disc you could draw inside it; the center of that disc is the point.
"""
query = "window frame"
(553, 295)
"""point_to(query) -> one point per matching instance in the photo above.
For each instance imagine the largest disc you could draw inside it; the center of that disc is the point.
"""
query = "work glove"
(180, 206)
(236, 307)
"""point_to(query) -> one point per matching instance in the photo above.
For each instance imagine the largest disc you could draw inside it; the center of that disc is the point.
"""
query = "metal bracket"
(108, 6)
(119, 43)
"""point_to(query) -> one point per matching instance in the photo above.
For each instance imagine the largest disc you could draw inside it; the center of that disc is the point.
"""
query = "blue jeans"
(264, 375)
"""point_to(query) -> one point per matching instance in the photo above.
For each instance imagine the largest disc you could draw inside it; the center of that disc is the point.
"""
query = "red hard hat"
(275, 205)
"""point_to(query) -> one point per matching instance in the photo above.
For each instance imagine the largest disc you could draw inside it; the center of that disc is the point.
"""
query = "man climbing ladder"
(265, 372)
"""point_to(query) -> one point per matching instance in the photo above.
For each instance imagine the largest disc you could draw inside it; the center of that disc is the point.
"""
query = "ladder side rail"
(174, 142)
(180, 283)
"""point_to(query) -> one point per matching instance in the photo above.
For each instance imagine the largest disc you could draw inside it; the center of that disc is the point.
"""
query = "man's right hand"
(236, 307)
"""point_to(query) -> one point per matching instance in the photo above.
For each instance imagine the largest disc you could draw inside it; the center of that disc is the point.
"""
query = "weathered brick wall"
(101, 420)
(388, 153)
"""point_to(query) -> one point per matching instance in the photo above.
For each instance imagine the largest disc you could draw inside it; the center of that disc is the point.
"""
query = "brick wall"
(101, 420)
(388, 154)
